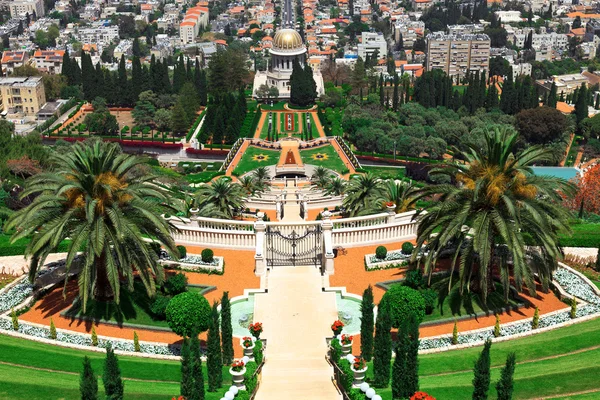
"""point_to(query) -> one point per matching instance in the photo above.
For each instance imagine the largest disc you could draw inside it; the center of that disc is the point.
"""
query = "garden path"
(296, 317)
(287, 146)
(237, 158)
(344, 158)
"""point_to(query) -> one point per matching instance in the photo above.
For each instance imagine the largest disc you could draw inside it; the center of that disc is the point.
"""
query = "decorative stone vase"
(359, 376)
(238, 377)
(346, 349)
(249, 351)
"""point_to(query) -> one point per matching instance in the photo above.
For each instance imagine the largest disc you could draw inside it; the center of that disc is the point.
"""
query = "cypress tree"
(412, 358)
(381, 93)
(123, 88)
(67, 70)
(197, 75)
(396, 98)
(88, 384)
(581, 106)
(481, 380)
(552, 98)
(136, 48)
(226, 330)
(505, 385)
(491, 100)
(367, 324)
(136, 79)
(508, 98)
(203, 91)
(197, 375)
(214, 360)
(179, 75)
(113, 385)
(399, 368)
(187, 380)
(382, 348)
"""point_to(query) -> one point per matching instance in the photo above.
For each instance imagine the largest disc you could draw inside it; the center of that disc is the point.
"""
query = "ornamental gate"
(294, 249)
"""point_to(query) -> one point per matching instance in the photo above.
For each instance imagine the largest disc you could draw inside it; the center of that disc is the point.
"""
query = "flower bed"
(15, 295)
(194, 263)
(393, 259)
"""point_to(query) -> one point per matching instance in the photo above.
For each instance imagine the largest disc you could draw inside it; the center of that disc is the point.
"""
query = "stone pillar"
(327, 227)
(391, 210)
(260, 263)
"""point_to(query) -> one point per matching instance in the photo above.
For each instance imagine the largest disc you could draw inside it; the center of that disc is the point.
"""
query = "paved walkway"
(237, 158)
(296, 317)
(344, 158)
(287, 146)
(291, 207)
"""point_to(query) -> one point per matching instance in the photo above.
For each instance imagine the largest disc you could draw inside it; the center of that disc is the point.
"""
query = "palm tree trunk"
(102, 290)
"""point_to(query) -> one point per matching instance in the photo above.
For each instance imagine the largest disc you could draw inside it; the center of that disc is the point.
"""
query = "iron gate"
(294, 249)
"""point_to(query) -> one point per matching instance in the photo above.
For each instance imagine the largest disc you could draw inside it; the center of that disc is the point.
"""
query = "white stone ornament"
(234, 389)
(229, 396)
(376, 397)
(350, 358)
(245, 359)
(364, 387)
(370, 393)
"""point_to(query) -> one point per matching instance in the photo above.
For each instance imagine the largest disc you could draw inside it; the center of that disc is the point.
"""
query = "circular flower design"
(260, 157)
(320, 157)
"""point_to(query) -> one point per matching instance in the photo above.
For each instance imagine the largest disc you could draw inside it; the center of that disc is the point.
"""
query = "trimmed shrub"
(381, 252)
(94, 337)
(257, 352)
(88, 381)
(414, 279)
(573, 312)
(430, 296)
(250, 379)
(207, 255)
(455, 334)
(347, 375)
(336, 350)
(136, 342)
(497, 326)
(405, 303)
(15, 320)
(535, 323)
(113, 384)
(407, 248)
(176, 284)
(159, 306)
(182, 251)
(52, 330)
(188, 312)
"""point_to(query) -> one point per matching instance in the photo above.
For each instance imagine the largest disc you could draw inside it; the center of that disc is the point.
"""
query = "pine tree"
(214, 358)
(367, 324)
(226, 330)
(88, 383)
(505, 385)
(481, 380)
(197, 375)
(382, 346)
(187, 380)
(179, 122)
(113, 385)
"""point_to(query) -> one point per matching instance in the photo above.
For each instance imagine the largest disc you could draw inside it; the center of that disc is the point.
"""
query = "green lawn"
(585, 234)
(331, 161)
(387, 172)
(265, 128)
(134, 308)
(559, 362)
(154, 379)
(247, 164)
(454, 305)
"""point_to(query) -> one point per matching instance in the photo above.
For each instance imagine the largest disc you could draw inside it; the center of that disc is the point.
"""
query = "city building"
(465, 29)
(371, 42)
(99, 33)
(458, 54)
(410, 31)
(287, 47)
(49, 61)
(14, 59)
(195, 18)
(22, 7)
(22, 95)
(509, 16)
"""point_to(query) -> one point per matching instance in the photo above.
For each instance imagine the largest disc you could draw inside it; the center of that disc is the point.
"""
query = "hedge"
(190, 133)
(136, 143)
(189, 150)
(250, 123)
(389, 158)
(19, 249)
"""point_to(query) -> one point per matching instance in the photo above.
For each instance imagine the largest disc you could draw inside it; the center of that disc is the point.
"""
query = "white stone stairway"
(296, 317)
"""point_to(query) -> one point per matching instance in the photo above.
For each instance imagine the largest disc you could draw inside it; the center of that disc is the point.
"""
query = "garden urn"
(359, 376)
(238, 377)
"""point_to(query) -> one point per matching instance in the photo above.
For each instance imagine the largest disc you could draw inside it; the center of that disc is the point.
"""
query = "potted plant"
(255, 329)
(337, 327)
(237, 371)
(248, 345)
(346, 341)
(359, 368)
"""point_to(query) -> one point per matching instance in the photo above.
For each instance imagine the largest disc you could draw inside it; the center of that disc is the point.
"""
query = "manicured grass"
(332, 160)
(134, 308)
(584, 235)
(386, 172)
(454, 305)
(155, 379)
(247, 164)
(558, 362)
(265, 128)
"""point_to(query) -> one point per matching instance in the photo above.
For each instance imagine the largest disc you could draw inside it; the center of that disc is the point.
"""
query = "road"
(288, 14)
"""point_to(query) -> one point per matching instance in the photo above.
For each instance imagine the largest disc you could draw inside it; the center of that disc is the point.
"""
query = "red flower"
(337, 327)
(247, 342)
(359, 363)
(237, 366)
(255, 329)
(422, 396)
(346, 339)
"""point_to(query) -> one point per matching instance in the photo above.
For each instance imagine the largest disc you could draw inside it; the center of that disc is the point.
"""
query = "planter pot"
(249, 351)
(359, 376)
(238, 377)
(346, 349)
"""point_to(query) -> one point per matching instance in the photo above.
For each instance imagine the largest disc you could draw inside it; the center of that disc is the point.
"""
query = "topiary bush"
(207, 255)
(407, 248)
(381, 252)
(182, 251)
(188, 312)
(176, 284)
(405, 302)
(414, 279)
(430, 296)
(159, 306)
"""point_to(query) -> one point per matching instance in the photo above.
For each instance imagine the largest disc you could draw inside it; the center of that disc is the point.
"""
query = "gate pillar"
(259, 256)
(327, 227)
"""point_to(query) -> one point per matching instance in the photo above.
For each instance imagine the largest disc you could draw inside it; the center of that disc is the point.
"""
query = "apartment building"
(410, 31)
(22, 7)
(558, 41)
(14, 59)
(49, 61)
(99, 34)
(195, 18)
(465, 29)
(458, 54)
(371, 41)
(23, 95)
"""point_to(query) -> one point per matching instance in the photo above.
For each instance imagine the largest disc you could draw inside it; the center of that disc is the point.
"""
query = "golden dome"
(287, 39)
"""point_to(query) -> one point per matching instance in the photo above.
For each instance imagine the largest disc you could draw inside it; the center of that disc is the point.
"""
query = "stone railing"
(361, 222)
(220, 238)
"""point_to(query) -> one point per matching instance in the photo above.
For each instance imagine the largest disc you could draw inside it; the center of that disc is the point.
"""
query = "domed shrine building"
(287, 46)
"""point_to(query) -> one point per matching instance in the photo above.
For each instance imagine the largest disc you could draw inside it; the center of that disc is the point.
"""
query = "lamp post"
(394, 150)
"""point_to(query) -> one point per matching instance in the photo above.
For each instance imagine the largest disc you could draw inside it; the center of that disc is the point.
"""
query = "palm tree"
(249, 184)
(335, 187)
(221, 199)
(262, 176)
(92, 197)
(402, 194)
(363, 195)
(485, 218)
(320, 177)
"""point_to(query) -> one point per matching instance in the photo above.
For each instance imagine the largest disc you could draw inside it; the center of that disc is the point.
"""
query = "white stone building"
(370, 42)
